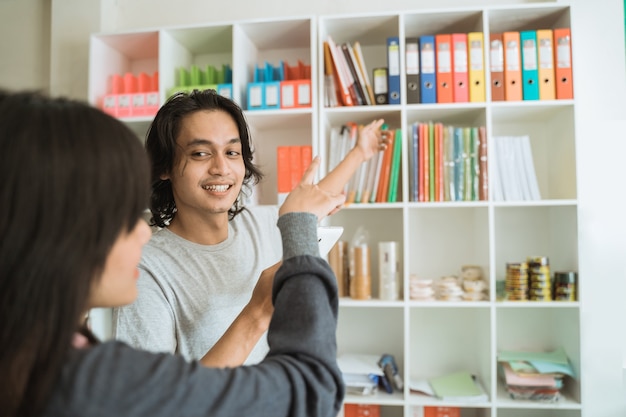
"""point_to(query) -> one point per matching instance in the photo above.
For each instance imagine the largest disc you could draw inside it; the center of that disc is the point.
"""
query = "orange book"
(563, 61)
(342, 84)
(445, 85)
(512, 66)
(385, 170)
(424, 163)
(496, 70)
(283, 174)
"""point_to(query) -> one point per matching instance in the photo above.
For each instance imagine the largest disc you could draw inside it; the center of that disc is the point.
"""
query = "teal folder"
(530, 68)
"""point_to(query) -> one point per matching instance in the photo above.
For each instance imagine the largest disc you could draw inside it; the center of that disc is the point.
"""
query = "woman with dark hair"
(206, 273)
(75, 182)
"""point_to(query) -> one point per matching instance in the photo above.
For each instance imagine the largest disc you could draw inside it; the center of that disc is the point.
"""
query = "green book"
(395, 167)
(459, 386)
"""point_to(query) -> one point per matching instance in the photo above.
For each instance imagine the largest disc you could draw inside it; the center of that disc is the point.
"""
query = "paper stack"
(461, 387)
(536, 376)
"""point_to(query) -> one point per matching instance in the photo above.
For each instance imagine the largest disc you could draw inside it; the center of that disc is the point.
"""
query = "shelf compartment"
(541, 329)
(448, 340)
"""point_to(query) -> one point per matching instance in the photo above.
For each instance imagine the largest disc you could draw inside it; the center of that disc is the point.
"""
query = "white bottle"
(388, 276)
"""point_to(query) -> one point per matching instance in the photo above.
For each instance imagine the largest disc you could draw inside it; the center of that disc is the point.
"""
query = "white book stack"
(514, 177)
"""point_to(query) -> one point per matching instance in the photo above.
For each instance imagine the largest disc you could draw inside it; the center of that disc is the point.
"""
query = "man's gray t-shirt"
(189, 294)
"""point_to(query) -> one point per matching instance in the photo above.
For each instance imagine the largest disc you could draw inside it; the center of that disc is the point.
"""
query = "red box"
(442, 412)
(361, 410)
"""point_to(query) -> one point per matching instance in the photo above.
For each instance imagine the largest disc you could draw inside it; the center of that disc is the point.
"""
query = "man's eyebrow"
(198, 141)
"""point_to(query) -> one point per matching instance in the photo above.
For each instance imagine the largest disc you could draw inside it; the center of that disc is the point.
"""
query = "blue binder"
(530, 67)
(428, 77)
(393, 66)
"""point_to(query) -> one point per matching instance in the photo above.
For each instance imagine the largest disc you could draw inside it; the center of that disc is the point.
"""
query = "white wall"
(600, 88)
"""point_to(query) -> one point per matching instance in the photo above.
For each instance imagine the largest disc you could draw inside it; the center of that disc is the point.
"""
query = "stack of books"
(376, 180)
(514, 176)
(536, 376)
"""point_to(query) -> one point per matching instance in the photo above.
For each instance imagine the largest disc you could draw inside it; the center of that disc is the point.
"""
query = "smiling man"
(206, 276)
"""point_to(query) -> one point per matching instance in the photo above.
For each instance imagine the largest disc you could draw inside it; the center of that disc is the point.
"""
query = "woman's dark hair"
(161, 147)
(73, 179)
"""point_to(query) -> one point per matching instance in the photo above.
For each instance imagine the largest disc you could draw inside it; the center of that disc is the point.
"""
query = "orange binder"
(512, 67)
(496, 54)
(546, 64)
(459, 68)
(563, 60)
(445, 89)
(295, 166)
(476, 67)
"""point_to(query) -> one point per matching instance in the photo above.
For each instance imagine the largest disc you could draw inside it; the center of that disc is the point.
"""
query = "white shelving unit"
(436, 239)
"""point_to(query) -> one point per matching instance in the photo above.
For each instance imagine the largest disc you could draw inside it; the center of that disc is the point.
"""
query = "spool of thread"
(360, 275)
(339, 262)
(388, 275)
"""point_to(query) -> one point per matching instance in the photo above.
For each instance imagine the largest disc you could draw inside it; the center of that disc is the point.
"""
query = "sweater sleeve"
(299, 377)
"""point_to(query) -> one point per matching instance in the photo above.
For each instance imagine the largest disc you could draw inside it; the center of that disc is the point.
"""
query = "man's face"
(208, 170)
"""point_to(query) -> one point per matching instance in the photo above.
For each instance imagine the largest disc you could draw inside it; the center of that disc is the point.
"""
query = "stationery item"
(496, 70)
(563, 61)
(394, 173)
(546, 64)
(381, 89)
(385, 169)
(483, 174)
(476, 67)
(411, 61)
(413, 162)
(359, 84)
(358, 54)
(512, 67)
(459, 67)
(345, 95)
(530, 67)
(388, 364)
(445, 88)
(438, 162)
(458, 386)
(393, 69)
(331, 92)
(428, 77)
(388, 273)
